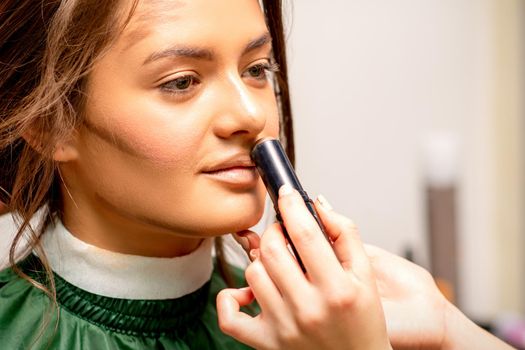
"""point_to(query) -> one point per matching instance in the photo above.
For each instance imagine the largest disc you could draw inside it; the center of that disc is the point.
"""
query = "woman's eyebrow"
(181, 51)
(258, 42)
(204, 53)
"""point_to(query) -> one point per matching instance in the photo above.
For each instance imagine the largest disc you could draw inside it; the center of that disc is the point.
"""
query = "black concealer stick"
(276, 170)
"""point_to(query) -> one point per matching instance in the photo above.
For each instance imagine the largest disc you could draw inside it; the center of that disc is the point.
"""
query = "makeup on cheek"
(276, 170)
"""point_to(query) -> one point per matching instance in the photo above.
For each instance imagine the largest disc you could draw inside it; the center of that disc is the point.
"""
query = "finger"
(344, 234)
(266, 293)
(254, 254)
(247, 239)
(315, 251)
(234, 322)
(282, 267)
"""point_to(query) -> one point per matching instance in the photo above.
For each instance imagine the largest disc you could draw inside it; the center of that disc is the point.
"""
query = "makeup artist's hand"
(414, 308)
(418, 316)
(334, 306)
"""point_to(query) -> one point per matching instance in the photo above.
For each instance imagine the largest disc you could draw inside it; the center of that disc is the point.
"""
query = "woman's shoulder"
(9, 276)
(25, 311)
(21, 308)
(8, 230)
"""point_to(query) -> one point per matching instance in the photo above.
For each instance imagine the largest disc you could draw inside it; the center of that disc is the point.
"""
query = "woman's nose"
(241, 111)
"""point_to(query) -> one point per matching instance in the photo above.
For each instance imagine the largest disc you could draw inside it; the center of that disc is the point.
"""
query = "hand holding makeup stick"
(418, 316)
(334, 306)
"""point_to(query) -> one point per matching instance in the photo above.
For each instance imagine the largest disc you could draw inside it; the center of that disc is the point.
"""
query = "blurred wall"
(509, 125)
(371, 80)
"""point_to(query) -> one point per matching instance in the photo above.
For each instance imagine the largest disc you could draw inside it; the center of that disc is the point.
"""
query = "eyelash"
(167, 87)
(268, 67)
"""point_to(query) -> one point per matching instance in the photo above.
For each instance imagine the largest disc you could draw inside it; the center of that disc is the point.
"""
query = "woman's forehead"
(150, 15)
(154, 11)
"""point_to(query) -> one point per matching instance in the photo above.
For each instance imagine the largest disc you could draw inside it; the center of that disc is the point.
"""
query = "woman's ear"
(65, 150)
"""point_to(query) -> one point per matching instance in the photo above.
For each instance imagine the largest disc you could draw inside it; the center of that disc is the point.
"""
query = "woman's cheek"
(165, 144)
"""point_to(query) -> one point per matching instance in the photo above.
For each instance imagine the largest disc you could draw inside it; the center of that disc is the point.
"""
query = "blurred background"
(410, 119)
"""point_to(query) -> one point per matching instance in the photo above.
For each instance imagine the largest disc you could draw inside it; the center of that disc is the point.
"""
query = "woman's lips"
(237, 176)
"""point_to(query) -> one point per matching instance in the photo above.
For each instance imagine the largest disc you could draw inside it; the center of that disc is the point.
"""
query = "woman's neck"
(110, 231)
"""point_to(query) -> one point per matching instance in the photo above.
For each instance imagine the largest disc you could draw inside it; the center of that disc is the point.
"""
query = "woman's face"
(172, 111)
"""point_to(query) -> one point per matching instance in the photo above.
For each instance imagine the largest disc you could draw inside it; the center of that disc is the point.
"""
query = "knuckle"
(221, 295)
(340, 300)
(226, 325)
(305, 234)
(425, 274)
(288, 335)
(310, 319)
(229, 328)
(349, 225)
(270, 249)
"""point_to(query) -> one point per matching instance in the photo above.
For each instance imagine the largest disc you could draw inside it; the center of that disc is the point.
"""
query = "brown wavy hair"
(47, 49)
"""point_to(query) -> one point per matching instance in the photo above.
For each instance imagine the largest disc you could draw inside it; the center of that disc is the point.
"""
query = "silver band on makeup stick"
(276, 170)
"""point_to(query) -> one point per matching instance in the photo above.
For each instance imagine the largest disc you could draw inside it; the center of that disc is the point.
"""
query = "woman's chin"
(236, 224)
(235, 212)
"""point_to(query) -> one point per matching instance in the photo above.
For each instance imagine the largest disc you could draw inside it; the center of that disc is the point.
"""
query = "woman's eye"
(258, 71)
(180, 84)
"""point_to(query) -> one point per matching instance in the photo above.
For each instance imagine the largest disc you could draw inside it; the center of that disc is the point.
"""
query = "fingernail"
(254, 254)
(285, 190)
(324, 203)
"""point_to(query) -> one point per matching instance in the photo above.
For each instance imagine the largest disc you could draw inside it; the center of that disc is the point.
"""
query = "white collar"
(118, 275)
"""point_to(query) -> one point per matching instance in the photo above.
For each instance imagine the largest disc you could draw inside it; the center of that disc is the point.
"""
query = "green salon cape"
(84, 320)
